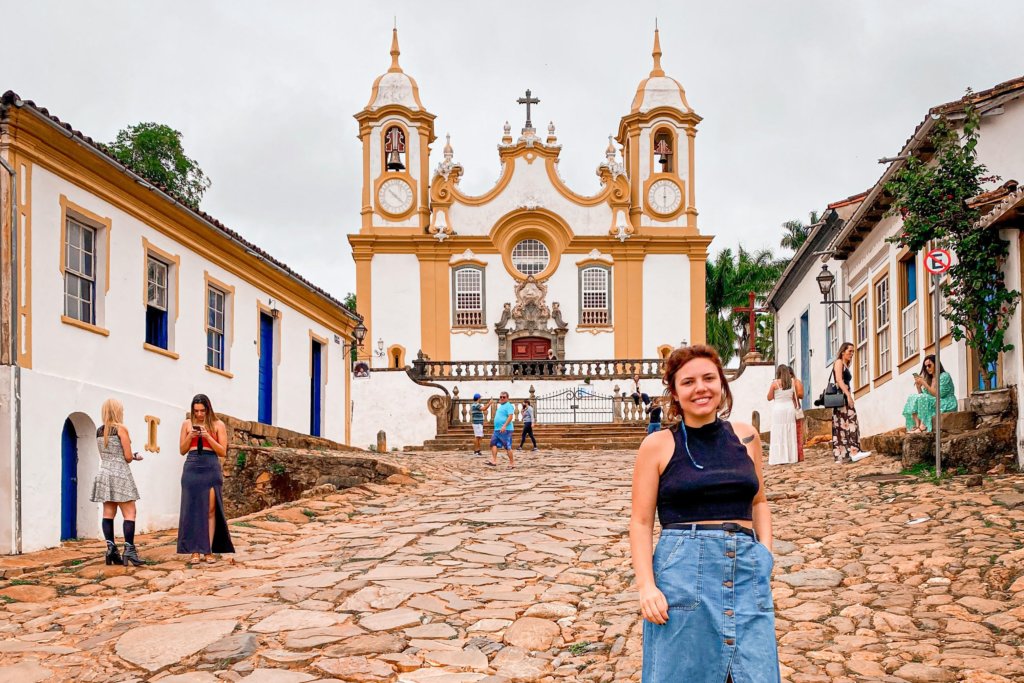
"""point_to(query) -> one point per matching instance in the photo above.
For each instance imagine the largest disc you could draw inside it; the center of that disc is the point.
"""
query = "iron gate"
(574, 406)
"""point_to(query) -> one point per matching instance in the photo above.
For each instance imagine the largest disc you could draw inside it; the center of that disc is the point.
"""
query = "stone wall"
(242, 432)
(259, 477)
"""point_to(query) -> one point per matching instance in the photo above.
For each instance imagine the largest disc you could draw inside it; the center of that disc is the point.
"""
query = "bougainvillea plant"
(933, 197)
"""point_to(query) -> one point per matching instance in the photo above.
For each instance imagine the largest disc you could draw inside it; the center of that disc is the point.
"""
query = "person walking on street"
(476, 416)
(114, 485)
(527, 414)
(782, 393)
(504, 421)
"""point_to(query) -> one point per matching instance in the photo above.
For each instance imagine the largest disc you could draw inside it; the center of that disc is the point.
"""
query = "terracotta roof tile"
(11, 98)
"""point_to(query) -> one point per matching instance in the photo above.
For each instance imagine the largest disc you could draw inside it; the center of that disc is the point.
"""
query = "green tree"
(932, 196)
(349, 301)
(795, 232)
(729, 280)
(154, 151)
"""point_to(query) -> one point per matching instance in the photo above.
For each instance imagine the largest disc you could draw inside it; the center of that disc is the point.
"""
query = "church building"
(530, 266)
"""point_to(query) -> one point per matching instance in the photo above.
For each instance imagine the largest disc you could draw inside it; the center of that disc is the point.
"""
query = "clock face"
(395, 196)
(664, 196)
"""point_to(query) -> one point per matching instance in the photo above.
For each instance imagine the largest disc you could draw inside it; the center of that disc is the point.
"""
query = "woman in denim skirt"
(705, 595)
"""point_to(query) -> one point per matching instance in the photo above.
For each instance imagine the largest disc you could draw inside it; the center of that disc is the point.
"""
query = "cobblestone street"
(475, 574)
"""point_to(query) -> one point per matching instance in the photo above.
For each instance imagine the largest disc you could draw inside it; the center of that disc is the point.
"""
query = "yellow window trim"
(168, 258)
(88, 327)
(314, 337)
(857, 298)
(151, 425)
(882, 379)
(909, 363)
(216, 371)
(162, 352)
(873, 312)
(95, 220)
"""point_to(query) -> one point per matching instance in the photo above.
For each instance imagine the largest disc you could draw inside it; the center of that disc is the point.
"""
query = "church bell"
(395, 161)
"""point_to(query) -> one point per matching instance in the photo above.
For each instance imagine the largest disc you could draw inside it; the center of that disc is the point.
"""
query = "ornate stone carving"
(556, 314)
(530, 317)
(506, 315)
(531, 312)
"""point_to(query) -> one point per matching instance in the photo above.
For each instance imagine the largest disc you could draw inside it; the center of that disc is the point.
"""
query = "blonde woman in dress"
(782, 393)
(114, 485)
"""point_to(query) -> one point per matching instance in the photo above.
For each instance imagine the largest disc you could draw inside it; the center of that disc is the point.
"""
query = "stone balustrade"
(618, 408)
(647, 368)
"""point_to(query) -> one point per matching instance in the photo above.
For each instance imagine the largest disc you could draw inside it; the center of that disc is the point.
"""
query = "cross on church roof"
(528, 100)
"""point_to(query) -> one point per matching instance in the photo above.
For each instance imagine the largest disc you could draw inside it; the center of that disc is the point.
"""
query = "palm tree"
(729, 279)
(796, 233)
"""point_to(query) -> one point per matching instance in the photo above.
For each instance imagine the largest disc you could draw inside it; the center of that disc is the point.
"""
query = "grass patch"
(240, 460)
(247, 525)
(309, 513)
(267, 443)
(576, 649)
(24, 582)
(6, 600)
(274, 518)
(75, 563)
(926, 472)
(277, 468)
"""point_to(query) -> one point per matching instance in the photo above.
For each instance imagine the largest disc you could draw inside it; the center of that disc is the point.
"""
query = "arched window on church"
(396, 356)
(664, 151)
(595, 296)
(395, 158)
(468, 295)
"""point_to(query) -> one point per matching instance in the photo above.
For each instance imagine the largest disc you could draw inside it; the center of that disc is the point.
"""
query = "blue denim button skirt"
(721, 618)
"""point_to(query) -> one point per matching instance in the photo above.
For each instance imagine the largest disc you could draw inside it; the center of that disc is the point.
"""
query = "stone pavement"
(474, 574)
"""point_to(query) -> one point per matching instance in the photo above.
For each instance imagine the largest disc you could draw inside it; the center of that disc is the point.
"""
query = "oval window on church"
(530, 257)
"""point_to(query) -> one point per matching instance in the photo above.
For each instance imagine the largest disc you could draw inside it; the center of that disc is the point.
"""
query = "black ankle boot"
(131, 554)
(113, 556)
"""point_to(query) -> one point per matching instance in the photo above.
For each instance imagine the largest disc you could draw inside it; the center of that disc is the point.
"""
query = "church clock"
(395, 196)
(664, 196)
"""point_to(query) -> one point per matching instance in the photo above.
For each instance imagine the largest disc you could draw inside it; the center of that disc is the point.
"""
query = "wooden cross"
(528, 100)
(752, 312)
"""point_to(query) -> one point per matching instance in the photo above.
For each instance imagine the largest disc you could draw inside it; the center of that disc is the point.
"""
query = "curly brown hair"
(679, 358)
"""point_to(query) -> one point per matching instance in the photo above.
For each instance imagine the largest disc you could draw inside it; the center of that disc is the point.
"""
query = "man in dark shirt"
(654, 416)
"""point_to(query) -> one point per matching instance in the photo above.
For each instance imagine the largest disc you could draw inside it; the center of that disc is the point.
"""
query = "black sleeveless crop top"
(723, 490)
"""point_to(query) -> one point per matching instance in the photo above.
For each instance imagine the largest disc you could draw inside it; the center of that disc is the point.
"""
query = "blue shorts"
(653, 427)
(502, 439)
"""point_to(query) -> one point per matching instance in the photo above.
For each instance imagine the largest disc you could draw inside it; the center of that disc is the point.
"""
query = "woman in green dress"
(920, 408)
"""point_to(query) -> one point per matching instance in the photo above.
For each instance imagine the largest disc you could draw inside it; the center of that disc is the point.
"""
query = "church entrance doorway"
(530, 348)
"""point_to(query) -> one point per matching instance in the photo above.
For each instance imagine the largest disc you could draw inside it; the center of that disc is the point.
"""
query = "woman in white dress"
(782, 394)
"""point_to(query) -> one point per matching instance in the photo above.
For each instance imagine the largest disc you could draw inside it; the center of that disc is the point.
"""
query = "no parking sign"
(937, 261)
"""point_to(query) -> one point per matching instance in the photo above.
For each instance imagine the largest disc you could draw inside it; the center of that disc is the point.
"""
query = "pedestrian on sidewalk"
(527, 413)
(202, 528)
(705, 595)
(654, 413)
(504, 421)
(798, 387)
(114, 485)
(476, 416)
(845, 426)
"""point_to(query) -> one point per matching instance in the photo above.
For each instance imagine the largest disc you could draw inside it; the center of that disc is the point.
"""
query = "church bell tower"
(658, 143)
(396, 132)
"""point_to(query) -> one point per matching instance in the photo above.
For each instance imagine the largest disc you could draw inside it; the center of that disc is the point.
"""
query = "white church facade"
(530, 266)
(117, 290)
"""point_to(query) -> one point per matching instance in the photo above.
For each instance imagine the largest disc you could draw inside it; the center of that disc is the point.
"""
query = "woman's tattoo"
(747, 439)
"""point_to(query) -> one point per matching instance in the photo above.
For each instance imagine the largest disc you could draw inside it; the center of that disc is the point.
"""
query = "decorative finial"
(448, 147)
(611, 151)
(507, 128)
(656, 53)
(506, 138)
(552, 139)
(394, 50)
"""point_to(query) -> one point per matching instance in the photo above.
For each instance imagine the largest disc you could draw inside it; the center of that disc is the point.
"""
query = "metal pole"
(937, 336)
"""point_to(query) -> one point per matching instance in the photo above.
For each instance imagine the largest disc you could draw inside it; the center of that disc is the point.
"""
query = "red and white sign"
(937, 261)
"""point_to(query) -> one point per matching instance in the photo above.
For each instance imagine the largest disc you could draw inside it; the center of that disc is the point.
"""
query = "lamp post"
(379, 353)
(826, 280)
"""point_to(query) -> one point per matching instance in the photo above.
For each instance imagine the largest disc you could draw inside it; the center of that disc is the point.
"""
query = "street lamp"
(826, 280)
(380, 348)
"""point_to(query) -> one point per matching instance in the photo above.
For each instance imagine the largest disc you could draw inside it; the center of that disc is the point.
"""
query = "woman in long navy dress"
(202, 528)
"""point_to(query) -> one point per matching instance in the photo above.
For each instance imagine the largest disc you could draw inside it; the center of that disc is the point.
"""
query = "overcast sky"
(799, 98)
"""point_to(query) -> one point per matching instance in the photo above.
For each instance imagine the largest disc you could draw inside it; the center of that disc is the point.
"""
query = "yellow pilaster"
(435, 306)
(363, 301)
(698, 300)
(628, 292)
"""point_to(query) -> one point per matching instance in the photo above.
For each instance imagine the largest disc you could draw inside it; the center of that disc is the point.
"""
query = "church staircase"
(585, 437)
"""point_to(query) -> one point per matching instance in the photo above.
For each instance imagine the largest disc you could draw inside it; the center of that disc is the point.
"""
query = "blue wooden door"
(805, 359)
(315, 389)
(266, 383)
(68, 482)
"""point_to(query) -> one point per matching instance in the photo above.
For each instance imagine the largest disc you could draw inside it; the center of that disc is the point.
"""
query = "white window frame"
(791, 346)
(155, 286)
(882, 325)
(217, 332)
(593, 294)
(530, 256)
(861, 313)
(832, 327)
(83, 278)
(464, 313)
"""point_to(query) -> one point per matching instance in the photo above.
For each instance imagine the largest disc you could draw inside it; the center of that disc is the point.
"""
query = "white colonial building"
(530, 265)
(890, 312)
(117, 290)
